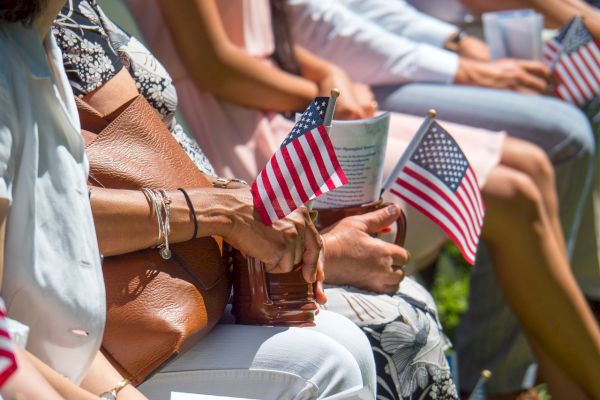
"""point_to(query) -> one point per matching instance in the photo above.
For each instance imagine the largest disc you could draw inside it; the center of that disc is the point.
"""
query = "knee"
(539, 165)
(522, 201)
(327, 364)
(575, 130)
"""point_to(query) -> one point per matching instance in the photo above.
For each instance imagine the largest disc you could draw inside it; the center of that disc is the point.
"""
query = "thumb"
(377, 220)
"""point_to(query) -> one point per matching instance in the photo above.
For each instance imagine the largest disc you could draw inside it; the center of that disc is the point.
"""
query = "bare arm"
(62, 387)
(220, 67)
(356, 101)
(27, 382)
(125, 222)
(101, 377)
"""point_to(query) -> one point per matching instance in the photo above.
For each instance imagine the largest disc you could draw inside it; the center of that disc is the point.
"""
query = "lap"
(269, 362)
(405, 335)
(562, 130)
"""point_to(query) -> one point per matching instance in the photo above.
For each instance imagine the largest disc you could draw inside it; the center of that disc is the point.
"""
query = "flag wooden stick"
(330, 109)
(478, 392)
(335, 93)
(431, 114)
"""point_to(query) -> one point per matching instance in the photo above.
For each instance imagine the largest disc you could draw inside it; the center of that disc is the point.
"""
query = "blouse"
(95, 49)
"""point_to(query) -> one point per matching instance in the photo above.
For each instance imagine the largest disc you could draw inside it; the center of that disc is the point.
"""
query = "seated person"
(52, 279)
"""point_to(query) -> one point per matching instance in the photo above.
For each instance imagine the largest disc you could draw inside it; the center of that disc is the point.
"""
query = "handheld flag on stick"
(303, 168)
(435, 177)
(573, 57)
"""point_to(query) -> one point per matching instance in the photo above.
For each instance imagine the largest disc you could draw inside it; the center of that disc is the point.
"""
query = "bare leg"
(533, 272)
(533, 161)
(561, 386)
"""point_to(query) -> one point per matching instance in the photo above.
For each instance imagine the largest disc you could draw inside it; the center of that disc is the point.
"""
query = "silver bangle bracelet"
(161, 203)
(165, 251)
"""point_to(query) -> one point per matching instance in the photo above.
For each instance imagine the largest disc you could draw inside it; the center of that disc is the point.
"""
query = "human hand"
(353, 98)
(282, 246)
(365, 98)
(473, 48)
(523, 76)
(318, 291)
(353, 257)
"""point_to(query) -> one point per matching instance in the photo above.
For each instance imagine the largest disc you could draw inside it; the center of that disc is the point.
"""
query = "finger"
(377, 220)
(533, 82)
(535, 68)
(299, 247)
(391, 289)
(399, 272)
(312, 249)
(319, 293)
(320, 268)
(526, 90)
(399, 255)
(285, 265)
(391, 282)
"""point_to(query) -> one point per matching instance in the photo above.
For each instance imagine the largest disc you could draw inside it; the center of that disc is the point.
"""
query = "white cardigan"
(52, 276)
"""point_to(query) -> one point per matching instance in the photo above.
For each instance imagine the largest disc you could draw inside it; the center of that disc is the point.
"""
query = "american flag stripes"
(438, 181)
(304, 167)
(8, 362)
(574, 60)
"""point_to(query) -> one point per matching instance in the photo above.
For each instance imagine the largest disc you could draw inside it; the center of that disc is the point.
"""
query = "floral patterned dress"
(407, 340)
(95, 49)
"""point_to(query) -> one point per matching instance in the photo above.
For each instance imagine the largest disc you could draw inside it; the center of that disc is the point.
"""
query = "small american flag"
(438, 181)
(574, 60)
(304, 167)
(8, 362)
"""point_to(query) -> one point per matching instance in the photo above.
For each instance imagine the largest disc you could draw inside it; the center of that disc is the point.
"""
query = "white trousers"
(257, 362)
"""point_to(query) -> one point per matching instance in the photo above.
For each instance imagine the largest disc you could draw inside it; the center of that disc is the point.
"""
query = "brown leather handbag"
(155, 308)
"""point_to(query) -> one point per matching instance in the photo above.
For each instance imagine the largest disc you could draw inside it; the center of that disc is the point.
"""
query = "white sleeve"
(401, 18)
(367, 52)
(7, 113)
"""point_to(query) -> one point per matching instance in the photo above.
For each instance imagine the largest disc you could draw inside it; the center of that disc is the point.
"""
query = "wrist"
(453, 43)
(466, 72)
(330, 249)
(330, 79)
(219, 210)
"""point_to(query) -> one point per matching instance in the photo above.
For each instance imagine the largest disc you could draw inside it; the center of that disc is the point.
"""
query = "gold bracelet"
(112, 394)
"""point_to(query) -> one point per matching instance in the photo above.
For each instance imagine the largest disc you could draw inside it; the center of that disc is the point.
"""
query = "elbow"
(211, 72)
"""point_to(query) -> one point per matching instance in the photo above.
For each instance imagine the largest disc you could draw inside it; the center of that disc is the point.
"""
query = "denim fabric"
(489, 336)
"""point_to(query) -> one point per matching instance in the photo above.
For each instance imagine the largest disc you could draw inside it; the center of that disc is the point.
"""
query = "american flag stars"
(440, 155)
(438, 181)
